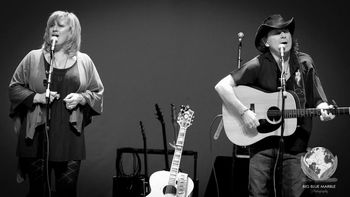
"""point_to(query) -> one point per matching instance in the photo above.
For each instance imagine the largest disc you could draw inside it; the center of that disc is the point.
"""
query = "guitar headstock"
(159, 113)
(185, 117)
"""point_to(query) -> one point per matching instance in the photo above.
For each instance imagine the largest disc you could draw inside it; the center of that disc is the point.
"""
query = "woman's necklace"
(57, 65)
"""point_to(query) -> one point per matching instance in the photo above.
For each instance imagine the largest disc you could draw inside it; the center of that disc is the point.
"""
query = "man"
(274, 39)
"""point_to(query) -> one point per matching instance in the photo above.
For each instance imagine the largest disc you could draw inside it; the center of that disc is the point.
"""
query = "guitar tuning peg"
(334, 103)
(172, 144)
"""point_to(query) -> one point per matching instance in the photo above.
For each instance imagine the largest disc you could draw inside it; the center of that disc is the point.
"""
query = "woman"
(75, 95)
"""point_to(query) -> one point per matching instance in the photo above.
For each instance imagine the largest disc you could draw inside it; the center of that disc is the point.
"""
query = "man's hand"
(325, 114)
(250, 120)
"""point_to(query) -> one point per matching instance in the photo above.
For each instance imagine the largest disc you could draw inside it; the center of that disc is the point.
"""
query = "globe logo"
(319, 164)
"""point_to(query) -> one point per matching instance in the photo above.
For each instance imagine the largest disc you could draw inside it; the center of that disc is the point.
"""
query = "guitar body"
(159, 180)
(259, 102)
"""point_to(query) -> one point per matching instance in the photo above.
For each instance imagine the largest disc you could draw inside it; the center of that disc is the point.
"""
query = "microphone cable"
(46, 163)
(211, 154)
(275, 172)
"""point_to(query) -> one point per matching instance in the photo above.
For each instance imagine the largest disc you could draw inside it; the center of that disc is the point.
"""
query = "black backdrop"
(171, 51)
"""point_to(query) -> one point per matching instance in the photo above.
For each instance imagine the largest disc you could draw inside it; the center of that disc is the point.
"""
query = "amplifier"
(129, 186)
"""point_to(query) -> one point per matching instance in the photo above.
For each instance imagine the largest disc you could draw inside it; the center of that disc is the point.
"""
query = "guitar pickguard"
(266, 127)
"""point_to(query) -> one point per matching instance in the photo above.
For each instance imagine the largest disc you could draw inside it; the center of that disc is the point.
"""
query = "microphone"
(53, 40)
(240, 36)
(282, 48)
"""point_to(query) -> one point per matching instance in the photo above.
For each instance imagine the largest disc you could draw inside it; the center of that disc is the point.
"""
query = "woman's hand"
(73, 99)
(41, 98)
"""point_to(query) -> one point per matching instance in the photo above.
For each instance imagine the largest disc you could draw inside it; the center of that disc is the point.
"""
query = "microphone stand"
(235, 147)
(281, 141)
(46, 177)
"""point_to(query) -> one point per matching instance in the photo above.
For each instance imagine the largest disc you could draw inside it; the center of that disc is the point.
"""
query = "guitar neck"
(311, 112)
(175, 164)
(144, 149)
(145, 158)
(161, 120)
(166, 156)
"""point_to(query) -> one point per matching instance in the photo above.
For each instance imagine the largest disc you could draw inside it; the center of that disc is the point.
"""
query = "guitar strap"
(297, 83)
(298, 87)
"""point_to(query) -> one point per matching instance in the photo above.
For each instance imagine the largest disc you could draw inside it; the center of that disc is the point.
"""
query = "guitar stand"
(136, 186)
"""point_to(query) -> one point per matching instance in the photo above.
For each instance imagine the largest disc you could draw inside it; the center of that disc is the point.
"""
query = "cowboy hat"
(275, 21)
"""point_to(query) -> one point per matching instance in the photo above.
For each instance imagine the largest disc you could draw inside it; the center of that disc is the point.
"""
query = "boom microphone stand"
(239, 60)
(235, 152)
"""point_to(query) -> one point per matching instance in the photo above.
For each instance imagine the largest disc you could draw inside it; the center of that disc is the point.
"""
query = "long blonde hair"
(72, 45)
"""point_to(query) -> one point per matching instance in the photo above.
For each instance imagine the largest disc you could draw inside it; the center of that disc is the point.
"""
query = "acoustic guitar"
(267, 107)
(174, 183)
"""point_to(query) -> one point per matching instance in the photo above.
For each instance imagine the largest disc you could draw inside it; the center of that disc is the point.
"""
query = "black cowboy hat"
(275, 21)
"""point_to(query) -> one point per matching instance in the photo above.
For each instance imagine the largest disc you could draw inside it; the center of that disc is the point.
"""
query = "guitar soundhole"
(274, 114)
(169, 189)
(273, 122)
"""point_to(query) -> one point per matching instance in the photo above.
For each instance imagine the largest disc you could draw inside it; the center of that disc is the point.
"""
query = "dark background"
(167, 52)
